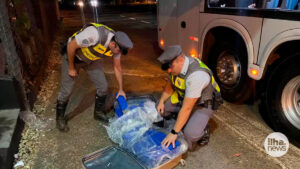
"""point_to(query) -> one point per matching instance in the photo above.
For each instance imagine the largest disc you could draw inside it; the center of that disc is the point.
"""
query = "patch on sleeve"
(85, 42)
(188, 84)
(178, 82)
(91, 40)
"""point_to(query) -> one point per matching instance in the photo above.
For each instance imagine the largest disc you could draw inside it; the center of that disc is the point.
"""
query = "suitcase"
(116, 157)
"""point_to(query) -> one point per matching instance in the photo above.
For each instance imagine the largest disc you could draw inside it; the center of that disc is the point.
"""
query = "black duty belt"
(206, 104)
(77, 60)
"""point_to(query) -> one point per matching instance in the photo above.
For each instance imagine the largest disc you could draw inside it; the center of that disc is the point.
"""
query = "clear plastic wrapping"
(133, 124)
(134, 132)
(148, 149)
(37, 123)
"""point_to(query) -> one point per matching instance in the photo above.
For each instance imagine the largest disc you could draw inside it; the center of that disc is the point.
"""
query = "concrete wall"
(3, 68)
(27, 30)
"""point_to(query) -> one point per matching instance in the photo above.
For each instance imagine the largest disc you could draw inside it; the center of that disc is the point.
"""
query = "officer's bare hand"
(122, 93)
(72, 72)
(170, 139)
(161, 108)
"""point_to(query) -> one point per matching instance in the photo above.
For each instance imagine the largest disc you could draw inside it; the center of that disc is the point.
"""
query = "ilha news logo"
(276, 144)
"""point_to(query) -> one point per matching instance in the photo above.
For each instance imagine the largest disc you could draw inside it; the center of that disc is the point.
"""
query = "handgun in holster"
(217, 100)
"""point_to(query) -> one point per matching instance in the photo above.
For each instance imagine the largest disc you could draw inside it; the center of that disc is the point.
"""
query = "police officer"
(85, 49)
(192, 92)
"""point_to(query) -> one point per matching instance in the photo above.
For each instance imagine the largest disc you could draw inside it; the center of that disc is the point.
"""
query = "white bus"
(252, 46)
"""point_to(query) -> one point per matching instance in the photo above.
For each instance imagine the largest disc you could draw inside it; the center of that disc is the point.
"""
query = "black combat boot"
(202, 141)
(61, 119)
(205, 138)
(103, 106)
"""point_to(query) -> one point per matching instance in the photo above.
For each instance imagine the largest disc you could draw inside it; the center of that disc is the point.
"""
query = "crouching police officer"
(192, 92)
(84, 50)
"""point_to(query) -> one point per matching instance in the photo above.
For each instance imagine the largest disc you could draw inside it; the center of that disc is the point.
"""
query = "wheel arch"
(285, 43)
(231, 28)
(214, 40)
(276, 57)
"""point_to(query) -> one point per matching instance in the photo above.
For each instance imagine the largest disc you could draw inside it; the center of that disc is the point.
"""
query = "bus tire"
(233, 57)
(281, 100)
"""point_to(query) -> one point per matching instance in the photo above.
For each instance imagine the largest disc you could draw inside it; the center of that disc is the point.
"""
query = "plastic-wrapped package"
(134, 132)
(120, 105)
(140, 101)
(154, 158)
(131, 136)
(149, 151)
(150, 109)
(134, 122)
(148, 105)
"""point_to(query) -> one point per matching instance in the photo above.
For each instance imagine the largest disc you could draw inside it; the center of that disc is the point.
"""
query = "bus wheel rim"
(290, 101)
(228, 69)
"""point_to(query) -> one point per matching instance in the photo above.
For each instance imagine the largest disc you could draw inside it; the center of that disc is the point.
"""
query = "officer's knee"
(193, 134)
(102, 88)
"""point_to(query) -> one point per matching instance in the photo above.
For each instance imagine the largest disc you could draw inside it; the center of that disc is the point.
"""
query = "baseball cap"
(169, 55)
(123, 42)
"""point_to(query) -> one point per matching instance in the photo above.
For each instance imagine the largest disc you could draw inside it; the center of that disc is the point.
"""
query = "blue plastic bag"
(149, 151)
(121, 106)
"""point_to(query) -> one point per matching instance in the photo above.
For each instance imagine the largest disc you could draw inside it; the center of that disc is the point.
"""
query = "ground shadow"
(84, 104)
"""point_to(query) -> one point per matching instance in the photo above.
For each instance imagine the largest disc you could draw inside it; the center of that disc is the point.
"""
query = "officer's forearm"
(166, 93)
(164, 97)
(71, 48)
(71, 61)
(118, 74)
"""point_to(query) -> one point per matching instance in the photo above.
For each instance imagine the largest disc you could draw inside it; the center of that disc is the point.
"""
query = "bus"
(252, 47)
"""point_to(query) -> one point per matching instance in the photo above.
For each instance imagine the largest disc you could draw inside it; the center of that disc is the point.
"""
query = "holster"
(217, 100)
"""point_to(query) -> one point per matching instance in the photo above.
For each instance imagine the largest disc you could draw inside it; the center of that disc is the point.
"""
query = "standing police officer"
(84, 50)
(192, 92)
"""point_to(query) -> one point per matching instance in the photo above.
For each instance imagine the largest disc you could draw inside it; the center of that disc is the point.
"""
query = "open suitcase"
(116, 157)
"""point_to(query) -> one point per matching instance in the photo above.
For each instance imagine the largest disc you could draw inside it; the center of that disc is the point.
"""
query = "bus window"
(231, 3)
(260, 4)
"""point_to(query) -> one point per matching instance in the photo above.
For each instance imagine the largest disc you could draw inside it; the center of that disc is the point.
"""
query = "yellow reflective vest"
(178, 83)
(99, 50)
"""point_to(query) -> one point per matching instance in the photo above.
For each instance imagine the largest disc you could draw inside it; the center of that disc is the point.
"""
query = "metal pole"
(81, 6)
(94, 14)
(97, 19)
(94, 4)
(82, 16)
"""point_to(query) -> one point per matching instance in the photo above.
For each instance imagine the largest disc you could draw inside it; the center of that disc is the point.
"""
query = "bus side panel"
(187, 25)
(252, 25)
(167, 22)
(273, 32)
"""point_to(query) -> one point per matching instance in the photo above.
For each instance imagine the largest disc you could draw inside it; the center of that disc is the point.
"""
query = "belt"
(77, 59)
(206, 104)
